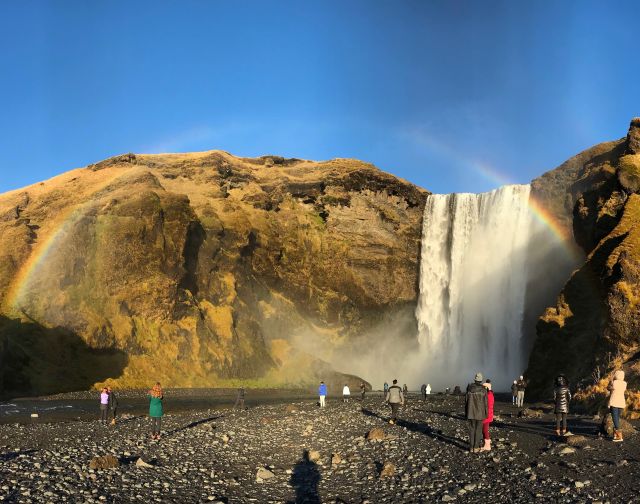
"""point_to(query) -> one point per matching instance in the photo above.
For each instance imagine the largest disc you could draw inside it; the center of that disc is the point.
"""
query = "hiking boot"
(617, 436)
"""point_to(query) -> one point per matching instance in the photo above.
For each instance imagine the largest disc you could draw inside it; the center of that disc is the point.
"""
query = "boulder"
(530, 413)
(607, 426)
(104, 462)
(336, 459)
(388, 470)
(314, 455)
(376, 434)
(264, 474)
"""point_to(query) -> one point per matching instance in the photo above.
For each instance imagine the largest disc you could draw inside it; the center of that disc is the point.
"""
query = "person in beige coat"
(617, 403)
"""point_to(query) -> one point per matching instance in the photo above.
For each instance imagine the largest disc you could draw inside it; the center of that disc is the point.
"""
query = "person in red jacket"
(489, 419)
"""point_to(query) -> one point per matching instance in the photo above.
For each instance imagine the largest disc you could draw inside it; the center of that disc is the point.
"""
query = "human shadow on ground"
(5, 457)
(193, 424)
(304, 480)
(546, 428)
(423, 428)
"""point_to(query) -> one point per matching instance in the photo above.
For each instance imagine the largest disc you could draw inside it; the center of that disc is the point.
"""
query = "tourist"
(155, 397)
(385, 388)
(476, 410)
(346, 393)
(428, 389)
(113, 405)
(104, 405)
(239, 399)
(514, 392)
(520, 386)
(617, 402)
(363, 389)
(322, 392)
(561, 396)
(487, 421)
(405, 390)
(423, 391)
(395, 398)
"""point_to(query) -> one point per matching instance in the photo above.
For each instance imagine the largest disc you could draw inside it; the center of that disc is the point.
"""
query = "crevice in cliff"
(195, 238)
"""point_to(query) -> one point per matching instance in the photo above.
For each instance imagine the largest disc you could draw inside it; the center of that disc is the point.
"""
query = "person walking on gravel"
(346, 393)
(104, 406)
(113, 405)
(617, 402)
(487, 421)
(476, 410)
(561, 397)
(322, 392)
(240, 399)
(521, 385)
(395, 398)
(155, 397)
(514, 392)
(363, 390)
(423, 391)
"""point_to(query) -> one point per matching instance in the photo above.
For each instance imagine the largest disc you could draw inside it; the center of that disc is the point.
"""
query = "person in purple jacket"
(104, 405)
(322, 392)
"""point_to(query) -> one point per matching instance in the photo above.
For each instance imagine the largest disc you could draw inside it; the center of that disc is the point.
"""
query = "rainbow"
(43, 249)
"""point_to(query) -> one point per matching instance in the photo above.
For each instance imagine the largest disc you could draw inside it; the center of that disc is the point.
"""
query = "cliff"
(201, 269)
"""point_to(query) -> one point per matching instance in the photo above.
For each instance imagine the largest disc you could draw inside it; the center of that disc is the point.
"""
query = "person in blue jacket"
(322, 392)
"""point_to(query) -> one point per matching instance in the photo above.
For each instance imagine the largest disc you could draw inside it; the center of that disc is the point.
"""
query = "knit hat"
(479, 377)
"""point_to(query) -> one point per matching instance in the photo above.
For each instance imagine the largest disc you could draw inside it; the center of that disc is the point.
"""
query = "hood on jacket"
(619, 375)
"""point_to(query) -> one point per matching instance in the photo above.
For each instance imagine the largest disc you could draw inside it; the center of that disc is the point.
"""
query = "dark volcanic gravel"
(259, 456)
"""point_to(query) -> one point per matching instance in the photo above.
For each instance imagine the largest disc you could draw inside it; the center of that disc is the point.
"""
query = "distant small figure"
(476, 410)
(322, 392)
(457, 390)
(487, 421)
(113, 405)
(561, 397)
(521, 385)
(346, 393)
(446, 391)
(363, 390)
(240, 399)
(104, 405)
(428, 389)
(617, 402)
(405, 390)
(514, 392)
(385, 388)
(155, 396)
(423, 391)
(395, 398)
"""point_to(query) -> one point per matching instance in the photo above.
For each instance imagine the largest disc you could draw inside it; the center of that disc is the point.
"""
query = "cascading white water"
(473, 277)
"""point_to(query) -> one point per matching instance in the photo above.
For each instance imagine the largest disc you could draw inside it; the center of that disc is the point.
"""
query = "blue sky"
(432, 91)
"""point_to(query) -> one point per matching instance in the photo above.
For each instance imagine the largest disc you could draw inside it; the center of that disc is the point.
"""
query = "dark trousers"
(113, 413)
(615, 416)
(475, 434)
(395, 407)
(561, 418)
(104, 413)
(156, 424)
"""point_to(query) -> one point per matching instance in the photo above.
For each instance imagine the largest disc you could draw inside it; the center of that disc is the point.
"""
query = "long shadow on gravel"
(194, 424)
(425, 429)
(304, 480)
(5, 457)
(546, 428)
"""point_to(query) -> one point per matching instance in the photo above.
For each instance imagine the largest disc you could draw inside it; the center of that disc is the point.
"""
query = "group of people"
(517, 391)
(108, 406)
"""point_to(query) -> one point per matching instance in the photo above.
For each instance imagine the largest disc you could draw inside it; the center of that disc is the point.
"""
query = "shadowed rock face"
(594, 327)
(205, 268)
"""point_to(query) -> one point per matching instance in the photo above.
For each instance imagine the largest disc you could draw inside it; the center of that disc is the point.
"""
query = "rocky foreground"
(298, 453)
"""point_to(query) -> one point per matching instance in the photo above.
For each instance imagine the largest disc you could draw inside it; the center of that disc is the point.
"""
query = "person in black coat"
(562, 397)
(476, 410)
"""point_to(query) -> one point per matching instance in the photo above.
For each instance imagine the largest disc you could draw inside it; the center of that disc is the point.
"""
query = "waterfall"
(473, 278)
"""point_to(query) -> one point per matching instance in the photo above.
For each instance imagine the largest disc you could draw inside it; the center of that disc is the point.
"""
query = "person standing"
(113, 405)
(395, 398)
(423, 391)
(476, 410)
(428, 389)
(561, 397)
(104, 406)
(155, 397)
(521, 385)
(240, 399)
(385, 388)
(514, 392)
(363, 390)
(617, 402)
(322, 392)
(487, 421)
(346, 393)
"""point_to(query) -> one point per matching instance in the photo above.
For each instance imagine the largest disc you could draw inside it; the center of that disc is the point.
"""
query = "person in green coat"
(155, 396)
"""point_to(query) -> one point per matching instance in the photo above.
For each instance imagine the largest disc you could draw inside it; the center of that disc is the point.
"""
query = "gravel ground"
(300, 453)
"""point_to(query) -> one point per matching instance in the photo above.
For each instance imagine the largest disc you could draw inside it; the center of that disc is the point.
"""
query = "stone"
(264, 474)
(376, 434)
(141, 463)
(607, 426)
(530, 413)
(388, 470)
(336, 459)
(104, 462)
(567, 450)
(576, 440)
(314, 455)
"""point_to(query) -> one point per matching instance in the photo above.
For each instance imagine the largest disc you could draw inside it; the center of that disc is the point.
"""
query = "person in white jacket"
(346, 393)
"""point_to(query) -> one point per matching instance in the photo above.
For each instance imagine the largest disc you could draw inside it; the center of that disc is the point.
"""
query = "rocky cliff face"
(594, 327)
(201, 269)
